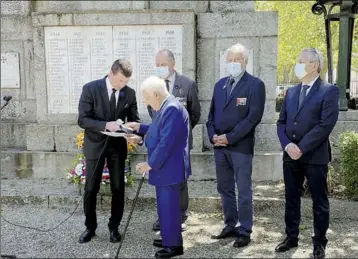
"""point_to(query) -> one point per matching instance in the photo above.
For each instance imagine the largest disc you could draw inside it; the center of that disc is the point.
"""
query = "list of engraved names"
(76, 55)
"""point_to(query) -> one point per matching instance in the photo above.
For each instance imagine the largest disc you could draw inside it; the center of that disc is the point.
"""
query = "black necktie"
(302, 95)
(229, 87)
(167, 83)
(112, 104)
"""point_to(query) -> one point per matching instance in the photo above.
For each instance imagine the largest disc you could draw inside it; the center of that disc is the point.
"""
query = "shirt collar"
(166, 98)
(171, 79)
(108, 84)
(313, 81)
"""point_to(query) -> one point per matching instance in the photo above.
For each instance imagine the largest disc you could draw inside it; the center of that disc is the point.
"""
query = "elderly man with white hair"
(168, 161)
(308, 115)
(236, 109)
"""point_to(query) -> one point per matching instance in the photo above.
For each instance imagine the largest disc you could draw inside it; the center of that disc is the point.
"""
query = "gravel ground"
(62, 243)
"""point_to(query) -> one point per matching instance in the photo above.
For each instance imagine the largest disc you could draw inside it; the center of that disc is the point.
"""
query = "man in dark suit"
(308, 115)
(236, 109)
(168, 160)
(103, 102)
(185, 91)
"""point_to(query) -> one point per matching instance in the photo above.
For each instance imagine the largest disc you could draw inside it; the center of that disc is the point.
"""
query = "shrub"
(348, 149)
(279, 101)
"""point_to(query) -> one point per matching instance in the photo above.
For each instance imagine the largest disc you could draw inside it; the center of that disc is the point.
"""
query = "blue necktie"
(302, 95)
(229, 87)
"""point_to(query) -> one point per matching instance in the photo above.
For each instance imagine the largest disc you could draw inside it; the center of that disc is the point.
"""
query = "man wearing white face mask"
(236, 109)
(185, 91)
(308, 115)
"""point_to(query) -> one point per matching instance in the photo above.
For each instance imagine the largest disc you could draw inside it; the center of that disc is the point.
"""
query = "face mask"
(300, 70)
(162, 72)
(234, 69)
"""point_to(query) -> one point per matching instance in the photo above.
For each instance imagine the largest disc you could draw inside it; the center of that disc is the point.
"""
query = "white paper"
(113, 134)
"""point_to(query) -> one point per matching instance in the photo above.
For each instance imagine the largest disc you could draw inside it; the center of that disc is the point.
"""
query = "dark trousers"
(235, 168)
(115, 165)
(168, 208)
(316, 175)
(184, 200)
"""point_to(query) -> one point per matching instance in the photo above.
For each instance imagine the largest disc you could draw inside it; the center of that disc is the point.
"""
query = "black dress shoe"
(114, 237)
(86, 236)
(286, 245)
(169, 252)
(319, 252)
(242, 241)
(156, 226)
(225, 233)
(157, 243)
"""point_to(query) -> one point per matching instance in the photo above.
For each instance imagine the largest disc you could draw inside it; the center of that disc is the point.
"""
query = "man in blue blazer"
(167, 141)
(185, 91)
(236, 109)
(308, 115)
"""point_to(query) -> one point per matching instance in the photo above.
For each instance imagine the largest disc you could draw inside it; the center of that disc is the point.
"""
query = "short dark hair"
(123, 66)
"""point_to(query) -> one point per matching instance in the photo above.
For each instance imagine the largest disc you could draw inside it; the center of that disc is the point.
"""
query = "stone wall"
(208, 28)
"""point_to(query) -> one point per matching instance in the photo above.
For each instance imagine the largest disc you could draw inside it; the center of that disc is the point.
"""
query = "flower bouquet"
(77, 172)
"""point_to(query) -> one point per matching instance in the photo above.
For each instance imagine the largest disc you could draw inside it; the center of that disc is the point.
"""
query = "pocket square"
(126, 106)
(240, 101)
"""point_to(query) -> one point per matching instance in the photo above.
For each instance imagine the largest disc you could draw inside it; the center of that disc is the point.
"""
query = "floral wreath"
(77, 172)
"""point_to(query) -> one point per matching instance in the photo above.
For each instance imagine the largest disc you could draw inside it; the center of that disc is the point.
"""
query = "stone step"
(268, 197)
(54, 165)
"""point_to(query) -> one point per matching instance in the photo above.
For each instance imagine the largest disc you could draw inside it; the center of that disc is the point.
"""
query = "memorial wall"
(76, 55)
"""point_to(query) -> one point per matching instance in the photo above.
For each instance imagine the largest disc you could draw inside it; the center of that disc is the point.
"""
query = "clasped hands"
(294, 151)
(220, 141)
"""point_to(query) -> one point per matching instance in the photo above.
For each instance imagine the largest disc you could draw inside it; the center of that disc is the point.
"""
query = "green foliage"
(348, 149)
(299, 28)
(279, 101)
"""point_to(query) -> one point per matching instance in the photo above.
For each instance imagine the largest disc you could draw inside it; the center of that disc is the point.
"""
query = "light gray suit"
(186, 91)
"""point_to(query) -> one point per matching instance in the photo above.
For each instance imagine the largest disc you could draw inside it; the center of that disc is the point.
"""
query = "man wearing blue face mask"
(185, 91)
(236, 109)
(308, 115)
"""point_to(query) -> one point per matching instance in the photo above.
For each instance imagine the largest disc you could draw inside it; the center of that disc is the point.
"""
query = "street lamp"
(345, 17)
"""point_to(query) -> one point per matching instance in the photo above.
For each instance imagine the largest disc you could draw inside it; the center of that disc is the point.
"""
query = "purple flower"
(121, 94)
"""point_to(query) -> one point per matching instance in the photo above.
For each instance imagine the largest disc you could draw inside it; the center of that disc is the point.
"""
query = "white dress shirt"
(109, 90)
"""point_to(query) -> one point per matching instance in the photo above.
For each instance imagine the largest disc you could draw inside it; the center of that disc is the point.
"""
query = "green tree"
(299, 28)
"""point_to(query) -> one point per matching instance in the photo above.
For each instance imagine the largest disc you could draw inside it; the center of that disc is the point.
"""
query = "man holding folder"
(168, 160)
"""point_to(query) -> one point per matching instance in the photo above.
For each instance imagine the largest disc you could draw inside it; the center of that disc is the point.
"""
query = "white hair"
(154, 84)
(316, 56)
(239, 49)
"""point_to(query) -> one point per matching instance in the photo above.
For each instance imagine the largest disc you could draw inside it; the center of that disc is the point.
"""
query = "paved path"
(62, 243)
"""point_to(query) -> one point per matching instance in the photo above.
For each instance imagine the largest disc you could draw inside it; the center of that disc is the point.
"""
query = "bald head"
(165, 63)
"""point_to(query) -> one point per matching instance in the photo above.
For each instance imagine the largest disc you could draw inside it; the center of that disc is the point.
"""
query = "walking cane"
(130, 214)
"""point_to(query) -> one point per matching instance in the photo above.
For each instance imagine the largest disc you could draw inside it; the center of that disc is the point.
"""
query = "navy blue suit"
(236, 116)
(167, 141)
(309, 128)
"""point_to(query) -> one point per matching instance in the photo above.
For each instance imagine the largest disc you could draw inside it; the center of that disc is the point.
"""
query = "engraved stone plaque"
(223, 70)
(76, 55)
(10, 70)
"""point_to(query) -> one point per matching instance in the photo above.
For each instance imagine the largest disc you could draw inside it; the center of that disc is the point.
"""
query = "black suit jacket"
(186, 91)
(94, 113)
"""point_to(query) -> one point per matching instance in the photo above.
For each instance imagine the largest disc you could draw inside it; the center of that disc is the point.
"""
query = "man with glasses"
(308, 115)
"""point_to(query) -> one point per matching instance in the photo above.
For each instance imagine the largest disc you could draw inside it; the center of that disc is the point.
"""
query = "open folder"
(113, 134)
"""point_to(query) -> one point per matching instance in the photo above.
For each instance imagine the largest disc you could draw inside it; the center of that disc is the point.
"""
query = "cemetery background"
(52, 48)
